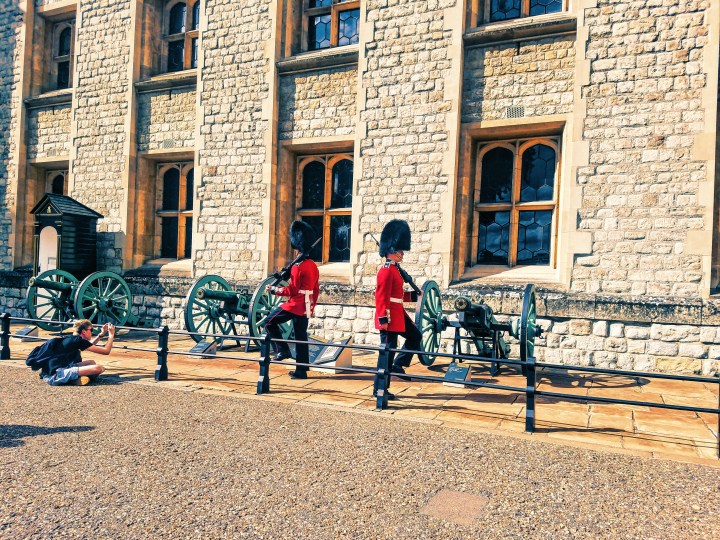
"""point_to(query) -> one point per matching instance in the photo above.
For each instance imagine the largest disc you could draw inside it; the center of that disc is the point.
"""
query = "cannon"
(213, 307)
(56, 296)
(478, 322)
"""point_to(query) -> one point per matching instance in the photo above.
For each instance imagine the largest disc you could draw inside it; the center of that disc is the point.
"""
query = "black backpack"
(41, 355)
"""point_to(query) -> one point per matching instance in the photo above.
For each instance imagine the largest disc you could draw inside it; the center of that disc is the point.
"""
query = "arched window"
(175, 202)
(56, 182)
(515, 202)
(181, 35)
(331, 23)
(325, 202)
(61, 68)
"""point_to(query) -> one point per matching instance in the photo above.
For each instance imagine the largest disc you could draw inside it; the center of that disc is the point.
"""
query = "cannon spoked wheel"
(529, 329)
(430, 321)
(103, 297)
(261, 305)
(205, 315)
(50, 303)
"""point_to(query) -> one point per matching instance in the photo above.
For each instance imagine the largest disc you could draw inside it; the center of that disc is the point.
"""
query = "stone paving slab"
(658, 432)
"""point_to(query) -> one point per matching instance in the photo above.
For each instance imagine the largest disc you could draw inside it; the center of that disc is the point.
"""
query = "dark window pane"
(171, 189)
(342, 183)
(319, 3)
(177, 19)
(176, 52)
(340, 238)
(313, 194)
(541, 7)
(316, 222)
(493, 237)
(193, 57)
(58, 185)
(63, 75)
(188, 238)
(168, 246)
(534, 237)
(348, 27)
(537, 178)
(496, 177)
(319, 32)
(189, 185)
(64, 42)
(501, 10)
(196, 16)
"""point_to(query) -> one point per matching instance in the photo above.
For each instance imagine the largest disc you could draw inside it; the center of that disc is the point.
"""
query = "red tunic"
(389, 296)
(304, 276)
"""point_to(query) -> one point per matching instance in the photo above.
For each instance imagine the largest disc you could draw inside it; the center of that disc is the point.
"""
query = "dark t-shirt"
(66, 354)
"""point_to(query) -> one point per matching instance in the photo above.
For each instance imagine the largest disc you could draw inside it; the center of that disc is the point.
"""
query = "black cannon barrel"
(463, 303)
(212, 294)
(50, 284)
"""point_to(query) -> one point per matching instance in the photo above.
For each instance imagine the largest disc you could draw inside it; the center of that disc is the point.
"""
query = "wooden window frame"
(334, 11)
(186, 37)
(517, 147)
(182, 213)
(482, 9)
(328, 161)
(56, 59)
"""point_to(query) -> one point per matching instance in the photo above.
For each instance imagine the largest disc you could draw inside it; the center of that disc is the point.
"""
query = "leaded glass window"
(503, 10)
(325, 202)
(181, 35)
(515, 201)
(175, 204)
(331, 23)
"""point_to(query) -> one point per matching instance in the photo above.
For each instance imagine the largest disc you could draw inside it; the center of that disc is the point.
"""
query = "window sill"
(502, 275)
(48, 99)
(335, 272)
(168, 81)
(521, 29)
(164, 267)
(324, 58)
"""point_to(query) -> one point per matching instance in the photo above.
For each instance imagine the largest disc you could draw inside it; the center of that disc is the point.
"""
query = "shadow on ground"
(12, 435)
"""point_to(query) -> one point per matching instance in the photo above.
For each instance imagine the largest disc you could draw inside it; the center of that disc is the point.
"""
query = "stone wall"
(235, 83)
(11, 51)
(166, 119)
(537, 75)
(406, 121)
(102, 94)
(318, 104)
(48, 132)
(644, 107)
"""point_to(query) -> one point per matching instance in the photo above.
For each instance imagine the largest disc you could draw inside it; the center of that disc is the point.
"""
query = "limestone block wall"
(99, 163)
(406, 157)
(48, 132)
(166, 119)
(318, 104)
(232, 150)
(537, 75)
(11, 51)
(641, 191)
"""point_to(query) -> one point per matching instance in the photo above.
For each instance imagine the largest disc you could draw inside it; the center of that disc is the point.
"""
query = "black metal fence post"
(382, 378)
(161, 370)
(5, 337)
(263, 385)
(530, 394)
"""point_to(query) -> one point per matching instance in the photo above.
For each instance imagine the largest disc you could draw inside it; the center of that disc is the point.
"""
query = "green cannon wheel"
(261, 305)
(44, 301)
(529, 329)
(430, 321)
(205, 315)
(103, 297)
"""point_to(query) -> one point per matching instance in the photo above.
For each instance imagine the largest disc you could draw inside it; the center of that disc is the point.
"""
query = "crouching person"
(64, 364)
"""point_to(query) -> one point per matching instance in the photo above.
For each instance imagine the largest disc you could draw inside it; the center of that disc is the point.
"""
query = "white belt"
(396, 300)
(308, 301)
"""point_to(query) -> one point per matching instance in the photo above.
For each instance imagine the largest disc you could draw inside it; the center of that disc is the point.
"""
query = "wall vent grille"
(514, 112)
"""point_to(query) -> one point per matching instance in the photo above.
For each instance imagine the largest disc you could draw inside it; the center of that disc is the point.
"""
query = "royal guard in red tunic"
(302, 292)
(390, 316)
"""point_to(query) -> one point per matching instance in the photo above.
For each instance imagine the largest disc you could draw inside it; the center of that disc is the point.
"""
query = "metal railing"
(382, 373)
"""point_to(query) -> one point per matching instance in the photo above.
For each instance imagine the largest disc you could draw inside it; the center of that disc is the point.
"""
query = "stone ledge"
(326, 58)
(50, 99)
(168, 81)
(521, 29)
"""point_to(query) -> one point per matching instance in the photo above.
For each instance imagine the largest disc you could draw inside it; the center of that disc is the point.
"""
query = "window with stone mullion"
(330, 23)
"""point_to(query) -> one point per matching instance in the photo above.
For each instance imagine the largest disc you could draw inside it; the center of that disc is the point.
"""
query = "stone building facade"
(568, 143)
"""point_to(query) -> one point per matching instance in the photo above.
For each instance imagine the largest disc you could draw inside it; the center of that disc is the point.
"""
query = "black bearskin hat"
(395, 237)
(302, 236)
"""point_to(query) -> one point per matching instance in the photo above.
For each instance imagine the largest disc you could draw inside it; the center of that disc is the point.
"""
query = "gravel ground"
(123, 460)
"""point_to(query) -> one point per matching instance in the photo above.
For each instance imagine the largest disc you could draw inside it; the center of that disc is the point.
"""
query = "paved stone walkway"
(644, 431)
